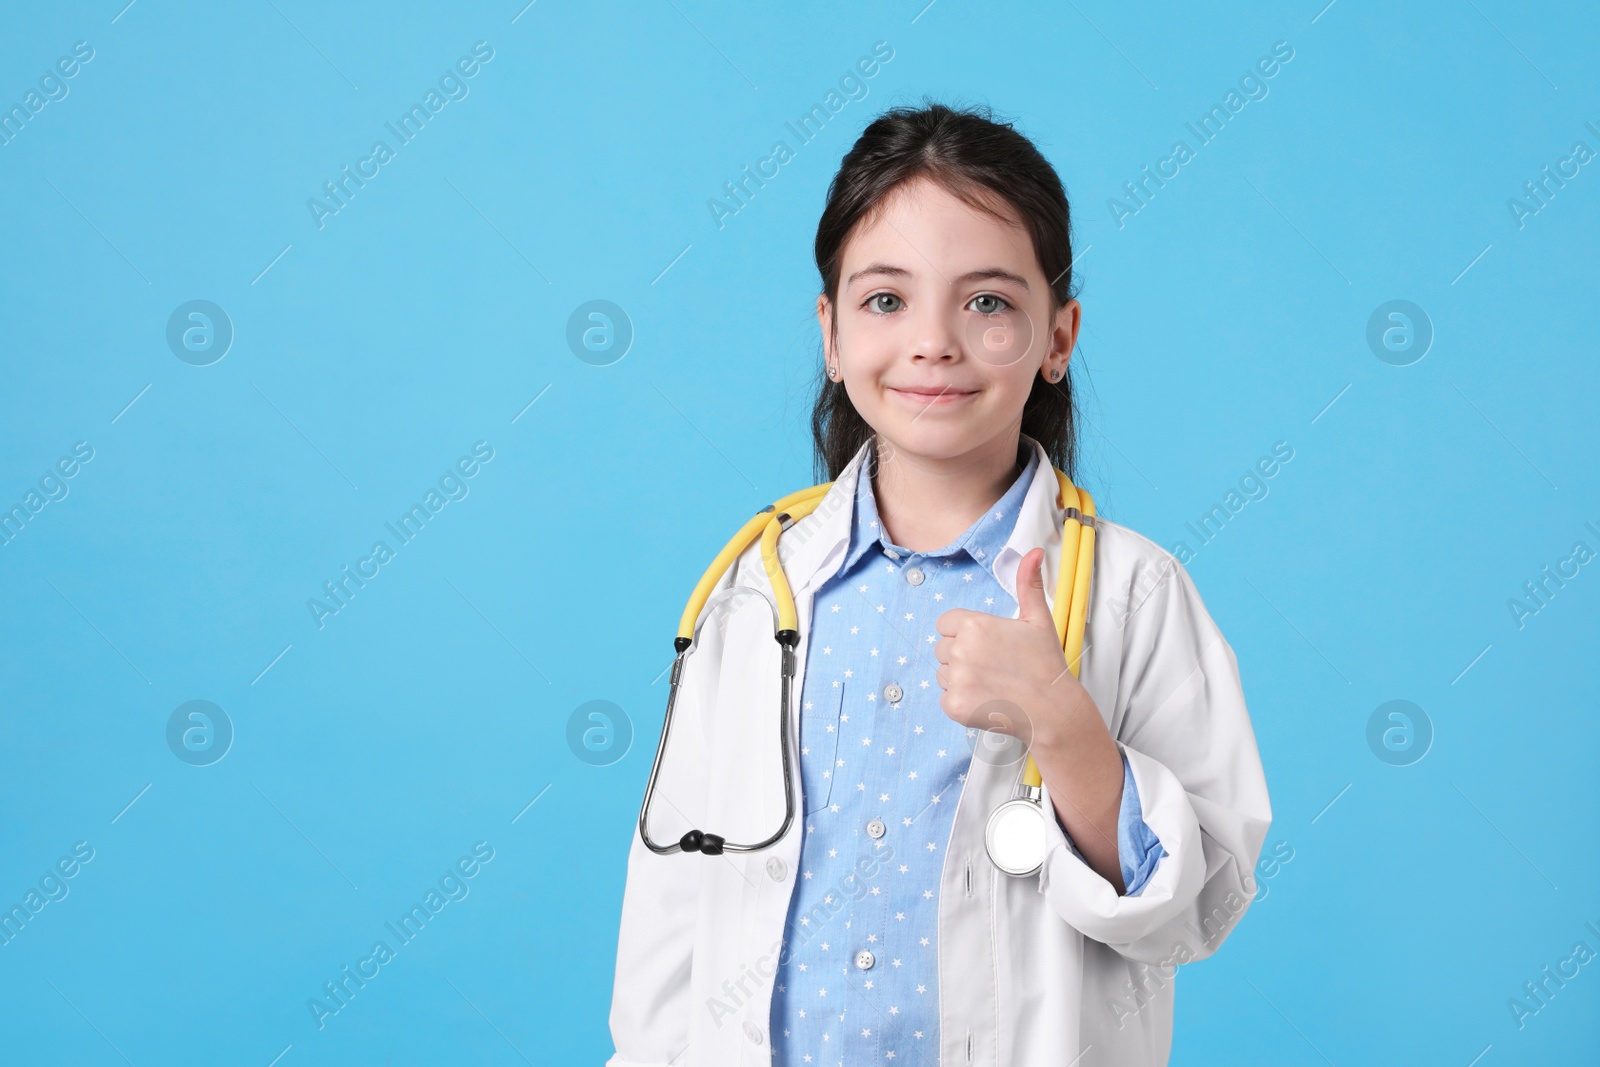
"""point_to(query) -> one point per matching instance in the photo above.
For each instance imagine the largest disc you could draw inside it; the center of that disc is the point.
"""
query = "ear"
(1063, 338)
(825, 322)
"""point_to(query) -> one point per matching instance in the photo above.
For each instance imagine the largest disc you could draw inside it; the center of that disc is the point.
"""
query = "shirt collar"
(982, 541)
(812, 551)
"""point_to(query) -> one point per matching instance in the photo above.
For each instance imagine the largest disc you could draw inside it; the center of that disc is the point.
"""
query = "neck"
(926, 503)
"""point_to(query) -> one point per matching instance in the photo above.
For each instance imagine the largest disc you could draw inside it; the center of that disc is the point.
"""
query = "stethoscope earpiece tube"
(767, 524)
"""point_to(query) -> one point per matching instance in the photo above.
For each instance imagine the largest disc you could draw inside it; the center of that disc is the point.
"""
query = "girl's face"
(943, 322)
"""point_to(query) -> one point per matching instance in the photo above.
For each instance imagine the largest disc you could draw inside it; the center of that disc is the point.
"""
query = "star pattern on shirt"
(869, 631)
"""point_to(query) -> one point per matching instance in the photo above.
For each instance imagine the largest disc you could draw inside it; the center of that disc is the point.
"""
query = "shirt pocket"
(819, 743)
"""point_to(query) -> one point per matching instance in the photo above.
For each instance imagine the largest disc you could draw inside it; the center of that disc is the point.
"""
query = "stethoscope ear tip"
(699, 841)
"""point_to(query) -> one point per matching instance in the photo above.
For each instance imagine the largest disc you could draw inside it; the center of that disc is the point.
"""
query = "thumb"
(1030, 589)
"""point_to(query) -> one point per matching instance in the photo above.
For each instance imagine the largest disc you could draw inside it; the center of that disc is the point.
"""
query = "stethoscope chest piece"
(1015, 837)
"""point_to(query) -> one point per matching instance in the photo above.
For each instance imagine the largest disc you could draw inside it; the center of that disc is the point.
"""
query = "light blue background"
(1226, 315)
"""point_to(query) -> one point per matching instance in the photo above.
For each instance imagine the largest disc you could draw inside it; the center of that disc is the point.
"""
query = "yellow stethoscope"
(1015, 834)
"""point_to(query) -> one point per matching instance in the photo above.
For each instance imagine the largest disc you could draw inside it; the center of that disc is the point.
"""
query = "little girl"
(877, 929)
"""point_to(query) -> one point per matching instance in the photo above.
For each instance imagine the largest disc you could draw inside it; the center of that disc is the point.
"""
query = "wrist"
(1066, 722)
(1079, 759)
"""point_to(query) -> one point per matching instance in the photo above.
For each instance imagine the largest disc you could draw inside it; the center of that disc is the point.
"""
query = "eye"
(873, 302)
(1003, 303)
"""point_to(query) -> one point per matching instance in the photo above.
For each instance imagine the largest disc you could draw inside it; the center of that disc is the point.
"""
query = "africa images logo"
(452, 485)
(452, 84)
(451, 887)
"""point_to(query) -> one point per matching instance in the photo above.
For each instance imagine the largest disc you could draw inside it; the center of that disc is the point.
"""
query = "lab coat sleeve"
(1187, 739)
(1138, 848)
(650, 1008)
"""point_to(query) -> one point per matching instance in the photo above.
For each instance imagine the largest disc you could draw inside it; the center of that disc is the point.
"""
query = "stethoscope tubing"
(1069, 613)
(768, 523)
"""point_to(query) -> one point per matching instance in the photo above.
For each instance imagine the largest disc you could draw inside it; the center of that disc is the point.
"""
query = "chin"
(925, 438)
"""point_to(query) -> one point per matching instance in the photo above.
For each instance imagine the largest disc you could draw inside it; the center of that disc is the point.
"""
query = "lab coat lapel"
(969, 1009)
(1038, 525)
(810, 552)
(819, 540)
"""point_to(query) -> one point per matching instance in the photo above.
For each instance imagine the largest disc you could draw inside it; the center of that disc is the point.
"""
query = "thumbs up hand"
(1011, 675)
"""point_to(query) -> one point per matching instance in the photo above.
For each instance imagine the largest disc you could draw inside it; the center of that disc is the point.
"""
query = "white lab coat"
(1032, 971)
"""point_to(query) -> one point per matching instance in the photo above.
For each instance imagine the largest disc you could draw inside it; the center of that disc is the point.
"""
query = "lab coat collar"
(814, 550)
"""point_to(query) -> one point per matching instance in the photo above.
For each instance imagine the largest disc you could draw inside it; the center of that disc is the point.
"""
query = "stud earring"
(1055, 375)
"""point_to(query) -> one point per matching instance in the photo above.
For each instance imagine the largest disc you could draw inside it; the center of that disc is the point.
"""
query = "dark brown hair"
(988, 165)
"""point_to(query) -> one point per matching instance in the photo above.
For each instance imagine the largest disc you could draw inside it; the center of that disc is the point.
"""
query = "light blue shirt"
(882, 767)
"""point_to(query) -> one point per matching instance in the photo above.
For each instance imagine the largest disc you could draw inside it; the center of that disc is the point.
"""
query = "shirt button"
(875, 828)
(777, 868)
(865, 959)
(891, 553)
(914, 576)
(892, 693)
(753, 1032)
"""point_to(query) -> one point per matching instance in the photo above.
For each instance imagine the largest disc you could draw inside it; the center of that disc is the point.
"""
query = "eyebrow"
(971, 276)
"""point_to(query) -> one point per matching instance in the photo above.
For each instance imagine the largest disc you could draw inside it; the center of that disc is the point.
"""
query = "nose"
(938, 335)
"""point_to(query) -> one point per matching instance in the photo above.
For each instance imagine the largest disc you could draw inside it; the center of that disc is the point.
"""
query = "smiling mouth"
(935, 396)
